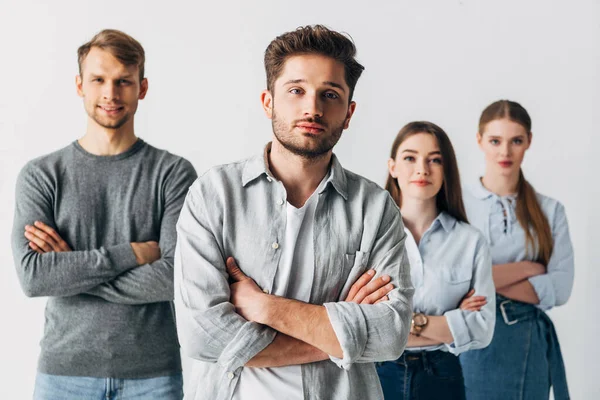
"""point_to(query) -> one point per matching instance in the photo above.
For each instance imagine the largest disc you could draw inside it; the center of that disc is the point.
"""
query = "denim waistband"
(423, 356)
(513, 312)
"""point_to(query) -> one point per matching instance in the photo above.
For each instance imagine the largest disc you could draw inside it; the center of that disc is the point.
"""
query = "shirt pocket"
(451, 283)
(354, 266)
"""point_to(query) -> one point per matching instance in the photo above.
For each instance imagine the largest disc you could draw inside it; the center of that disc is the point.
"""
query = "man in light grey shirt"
(291, 213)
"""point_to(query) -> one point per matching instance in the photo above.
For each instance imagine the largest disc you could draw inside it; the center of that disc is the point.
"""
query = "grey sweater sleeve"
(150, 283)
(57, 274)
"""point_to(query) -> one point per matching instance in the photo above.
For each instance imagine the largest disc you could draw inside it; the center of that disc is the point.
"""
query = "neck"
(300, 176)
(418, 215)
(101, 141)
(501, 185)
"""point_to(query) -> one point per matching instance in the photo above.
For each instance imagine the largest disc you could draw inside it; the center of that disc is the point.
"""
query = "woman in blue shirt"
(532, 261)
(450, 266)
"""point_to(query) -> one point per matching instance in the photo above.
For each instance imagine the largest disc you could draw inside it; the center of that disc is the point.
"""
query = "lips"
(110, 109)
(421, 183)
(311, 127)
(505, 164)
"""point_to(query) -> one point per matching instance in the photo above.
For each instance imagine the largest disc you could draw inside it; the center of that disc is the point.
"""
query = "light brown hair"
(312, 39)
(538, 236)
(449, 198)
(122, 46)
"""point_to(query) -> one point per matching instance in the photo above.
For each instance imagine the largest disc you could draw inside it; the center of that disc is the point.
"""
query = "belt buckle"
(507, 321)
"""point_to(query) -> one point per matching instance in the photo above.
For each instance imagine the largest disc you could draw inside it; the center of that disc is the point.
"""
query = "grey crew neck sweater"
(106, 316)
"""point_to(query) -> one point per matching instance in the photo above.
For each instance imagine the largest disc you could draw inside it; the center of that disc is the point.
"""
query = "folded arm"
(208, 326)
(152, 281)
(57, 273)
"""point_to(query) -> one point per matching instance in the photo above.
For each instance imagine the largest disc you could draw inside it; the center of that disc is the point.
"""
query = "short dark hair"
(313, 39)
(125, 49)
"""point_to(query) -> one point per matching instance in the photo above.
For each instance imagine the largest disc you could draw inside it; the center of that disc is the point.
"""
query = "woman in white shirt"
(454, 299)
(532, 259)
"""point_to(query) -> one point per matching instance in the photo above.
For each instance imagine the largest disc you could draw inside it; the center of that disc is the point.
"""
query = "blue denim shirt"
(506, 237)
(452, 258)
(239, 210)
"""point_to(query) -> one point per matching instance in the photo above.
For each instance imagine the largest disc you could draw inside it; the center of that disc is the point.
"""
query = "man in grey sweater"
(94, 230)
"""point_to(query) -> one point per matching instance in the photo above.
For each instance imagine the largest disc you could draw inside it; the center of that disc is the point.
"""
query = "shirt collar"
(446, 220)
(258, 166)
(481, 193)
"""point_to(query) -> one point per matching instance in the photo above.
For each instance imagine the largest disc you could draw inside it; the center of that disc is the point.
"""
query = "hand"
(145, 252)
(246, 296)
(535, 268)
(368, 291)
(472, 303)
(44, 239)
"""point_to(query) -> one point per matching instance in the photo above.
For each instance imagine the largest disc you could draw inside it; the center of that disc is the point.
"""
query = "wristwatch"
(419, 320)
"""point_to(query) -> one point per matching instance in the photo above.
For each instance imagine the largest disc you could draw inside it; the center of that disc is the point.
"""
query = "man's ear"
(351, 109)
(79, 85)
(143, 88)
(266, 99)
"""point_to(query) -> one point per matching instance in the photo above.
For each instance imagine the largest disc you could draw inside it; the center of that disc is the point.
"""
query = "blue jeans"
(422, 376)
(56, 387)
(522, 362)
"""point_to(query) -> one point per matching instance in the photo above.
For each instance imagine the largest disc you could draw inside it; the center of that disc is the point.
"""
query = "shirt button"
(230, 375)
(275, 245)
(266, 291)
(269, 179)
(279, 202)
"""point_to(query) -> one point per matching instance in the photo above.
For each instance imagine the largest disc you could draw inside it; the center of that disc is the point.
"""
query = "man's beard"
(108, 123)
(323, 143)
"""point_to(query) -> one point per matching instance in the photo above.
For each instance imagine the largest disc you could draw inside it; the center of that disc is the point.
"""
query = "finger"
(61, 245)
(43, 236)
(234, 271)
(384, 298)
(48, 230)
(360, 282)
(469, 294)
(371, 287)
(379, 293)
(477, 298)
(473, 304)
(38, 242)
(35, 248)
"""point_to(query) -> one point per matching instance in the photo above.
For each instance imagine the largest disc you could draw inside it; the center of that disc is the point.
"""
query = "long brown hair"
(449, 198)
(538, 236)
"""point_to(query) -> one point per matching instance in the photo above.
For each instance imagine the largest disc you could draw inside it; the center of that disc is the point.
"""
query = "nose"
(110, 91)
(313, 106)
(506, 150)
(422, 167)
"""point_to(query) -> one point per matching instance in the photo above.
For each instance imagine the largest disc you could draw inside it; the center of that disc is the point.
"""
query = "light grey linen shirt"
(496, 217)
(452, 258)
(239, 210)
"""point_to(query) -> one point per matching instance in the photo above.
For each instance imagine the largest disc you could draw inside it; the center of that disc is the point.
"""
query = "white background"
(442, 61)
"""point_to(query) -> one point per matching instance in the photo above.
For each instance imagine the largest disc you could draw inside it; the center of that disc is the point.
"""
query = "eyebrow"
(126, 76)
(416, 152)
(328, 83)
(514, 137)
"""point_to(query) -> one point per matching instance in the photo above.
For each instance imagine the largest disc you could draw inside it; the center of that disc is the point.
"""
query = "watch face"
(420, 319)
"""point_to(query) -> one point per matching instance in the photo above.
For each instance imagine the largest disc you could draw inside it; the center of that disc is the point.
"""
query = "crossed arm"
(301, 339)
(212, 329)
(126, 273)
(512, 280)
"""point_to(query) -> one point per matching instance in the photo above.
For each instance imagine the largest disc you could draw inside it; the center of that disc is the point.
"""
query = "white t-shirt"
(293, 280)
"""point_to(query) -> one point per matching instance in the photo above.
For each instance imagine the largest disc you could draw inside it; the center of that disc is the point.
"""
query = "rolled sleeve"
(377, 332)
(209, 329)
(475, 329)
(554, 287)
